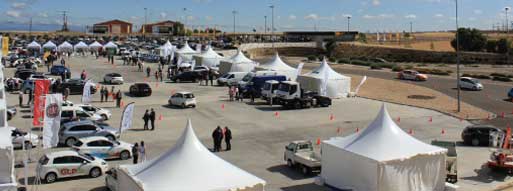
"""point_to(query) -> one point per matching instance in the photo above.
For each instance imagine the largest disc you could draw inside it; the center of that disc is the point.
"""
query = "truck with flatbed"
(301, 154)
(290, 95)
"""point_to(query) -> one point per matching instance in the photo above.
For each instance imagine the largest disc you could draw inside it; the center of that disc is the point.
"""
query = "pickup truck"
(301, 154)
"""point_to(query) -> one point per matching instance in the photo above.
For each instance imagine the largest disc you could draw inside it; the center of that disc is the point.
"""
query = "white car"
(20, 138)
(470, 84)
(40, 76)
(113, 78)
(73, 112)
(104, 148)
(183, 99)
(104, 113)
(62, 164)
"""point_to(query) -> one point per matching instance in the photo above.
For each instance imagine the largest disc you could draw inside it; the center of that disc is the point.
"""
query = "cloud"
(438, 15)
(19, 5)
(312, 16)
(13, 13)
(478, 12)
(292, 17)
(410, 16)
(380, 16)
(163, 15)
(43, 15)
(376, 2)
(347, 15)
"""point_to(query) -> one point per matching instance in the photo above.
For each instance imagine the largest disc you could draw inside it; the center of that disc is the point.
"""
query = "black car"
(24, 73)
(480, 135)
(11, 112)
(140, 89)
(189, 76)
(76, 86)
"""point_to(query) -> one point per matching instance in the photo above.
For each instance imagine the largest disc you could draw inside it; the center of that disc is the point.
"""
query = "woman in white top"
(142, 152)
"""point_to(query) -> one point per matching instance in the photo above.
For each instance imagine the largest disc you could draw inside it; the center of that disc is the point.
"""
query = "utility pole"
(348, 22)
(64, 21)
(272, 24)
(234, 12)
(184, 22)
(30, 28)
(507, 35)
(265, 24)
(458, 59)
(411, 28)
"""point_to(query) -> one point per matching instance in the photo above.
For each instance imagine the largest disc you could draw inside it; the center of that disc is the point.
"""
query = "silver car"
(72, 131)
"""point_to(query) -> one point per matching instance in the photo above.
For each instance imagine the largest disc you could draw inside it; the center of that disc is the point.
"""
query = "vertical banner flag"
(507, 138)
(179, 61)
(126, 118)
(324, 88)
(52, 121)
(5, 45)
(41, 88)
(198, 48)
(299, 69)
(193, 64)
(86, 95)
(172, 57)
(360, 85)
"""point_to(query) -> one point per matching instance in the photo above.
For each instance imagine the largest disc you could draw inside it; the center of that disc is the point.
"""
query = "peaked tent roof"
(95, 44)
(186, 167)
(33, 45)
(110, 45)
(80, 45)
(276, 64)
(384, 141)
(49, 44)
(65, 45)
(319, 72)
(240, 58)
(210, 53)
(186, 49)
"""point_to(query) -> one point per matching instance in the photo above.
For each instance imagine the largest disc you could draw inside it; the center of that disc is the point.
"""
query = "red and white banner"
(52, 121)
(41, 88)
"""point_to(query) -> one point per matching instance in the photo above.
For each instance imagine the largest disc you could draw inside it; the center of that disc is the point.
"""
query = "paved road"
(492, 98)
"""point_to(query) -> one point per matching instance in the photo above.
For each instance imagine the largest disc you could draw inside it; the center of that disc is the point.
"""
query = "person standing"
(227, 138)
(63, 62)
(215, 138)
(106, 93)
(142, 152)
(146, 118)
(237, 94)
(148, 72)
(230, 92)
(102, 93)
(67, 91)
(156, 75)
(20, 98)
(211, 77)
(152, 119)
(118, 98)
(83, 75)
(160, 75)
(135, 153)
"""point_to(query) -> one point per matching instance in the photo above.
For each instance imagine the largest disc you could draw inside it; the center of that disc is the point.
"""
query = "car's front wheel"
(50, 177)
(110, 137)
(70, 141)
(124, 155)
(95, 172)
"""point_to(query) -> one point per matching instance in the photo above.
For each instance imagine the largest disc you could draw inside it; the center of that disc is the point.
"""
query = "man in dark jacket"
(118, 99)
(152, 119)
(146, 118)
(227, 138)
(217, 136)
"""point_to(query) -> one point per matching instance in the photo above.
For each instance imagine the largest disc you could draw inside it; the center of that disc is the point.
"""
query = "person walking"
(230, 92)
(63, 62)
(156, 75)
(118, 98)
(236, 89)
(20, 98)
(106, 93)
(135, 153)
(148, 72)
(142, 152)
(102, 94)
(152, 119)
(227, 138)
(161, 75)
(112, 93)
(146, 118)
(215, 138)
(211, 77)
(67, 91)
(83, 75)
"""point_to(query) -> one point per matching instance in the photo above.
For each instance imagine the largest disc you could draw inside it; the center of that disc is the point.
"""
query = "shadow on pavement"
(308, 187)
(103, 188)
(288, 172)
(486, 175)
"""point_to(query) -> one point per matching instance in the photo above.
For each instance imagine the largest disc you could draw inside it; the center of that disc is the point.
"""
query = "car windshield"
(475, 81)
(267, 86)
(188, 95)
(116, 75)
(225, 75)
(248, 77)
(284, 87)
(87, 156)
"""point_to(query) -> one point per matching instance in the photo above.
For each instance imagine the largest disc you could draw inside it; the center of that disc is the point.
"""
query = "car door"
(464, 83)
(179, 99)
(79, 166)
(66, 166)
(98, 149)
(484, 136)
(109, 148)
(85, 131)
(407, 75)
(82, 115)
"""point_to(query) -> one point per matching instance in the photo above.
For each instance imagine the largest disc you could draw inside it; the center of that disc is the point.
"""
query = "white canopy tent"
(187, 166)
(382, 158)
(49, 46)
(338, 85)
(166, 49)
(110, 45)
(186, 52)
(34, 46)
(209, 58)
(65, 47)
(276, 64)
(238, 63)
(81, 46)
(7, 177)
(95, 45)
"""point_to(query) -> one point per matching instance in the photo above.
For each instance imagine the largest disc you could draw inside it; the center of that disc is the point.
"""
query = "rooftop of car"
(61, 153)
(93, 138)
(82, 122)
(481, 126)
(184, 92)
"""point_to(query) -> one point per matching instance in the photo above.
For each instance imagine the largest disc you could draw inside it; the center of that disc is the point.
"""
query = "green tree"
(362, 37)
(503, 45)
(491, 46)
(330, 47)
(470, 40)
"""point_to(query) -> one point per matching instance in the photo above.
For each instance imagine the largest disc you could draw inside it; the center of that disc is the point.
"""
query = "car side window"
(106, 143)
(74, 159)
(82, 114)
(67, 114)
(60, 160)
(93, 144)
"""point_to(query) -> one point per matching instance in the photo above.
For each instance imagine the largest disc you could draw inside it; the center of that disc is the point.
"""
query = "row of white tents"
(337, 84)
(68, 47)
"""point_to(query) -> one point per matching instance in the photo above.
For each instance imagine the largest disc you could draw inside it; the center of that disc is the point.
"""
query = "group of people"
(104, 94)
(138, 151)
(149, 116)
(218, 136)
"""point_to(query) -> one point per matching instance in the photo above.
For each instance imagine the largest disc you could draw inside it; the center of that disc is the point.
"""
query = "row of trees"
(474, 40)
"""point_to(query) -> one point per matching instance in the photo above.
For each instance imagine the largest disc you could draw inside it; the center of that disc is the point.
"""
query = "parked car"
(412, 75)
(451, 160)
(59, 69)
(189, 76)
(70, 132)
(113, 78)
(183, 99)
(470, 84)
(481, 135)
(140, 89)
(104, 148)
(22, 139)
(301, 154)
(231, 78)
(37, 76)
(23, 73)
(76, 86)
(62, 164)
(104, 113)
(201, 69)
(70, 113)
(11, 112)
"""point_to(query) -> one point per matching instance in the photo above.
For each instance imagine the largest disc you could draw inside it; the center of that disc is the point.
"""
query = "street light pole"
(507, 35)
(411, 28)
(348, 21)
(272, 24)
(265, 25)
(458, 59)
(234, 13)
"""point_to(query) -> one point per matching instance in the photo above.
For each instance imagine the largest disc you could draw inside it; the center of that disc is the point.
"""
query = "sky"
(289, 15)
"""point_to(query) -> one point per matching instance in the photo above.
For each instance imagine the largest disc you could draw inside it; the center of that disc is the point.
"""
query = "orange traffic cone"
(430, 119)
(443, 131)
(398, 119)
(160, 117)
(357, 129)
(318, 141)
(332, 117)
(222, 106)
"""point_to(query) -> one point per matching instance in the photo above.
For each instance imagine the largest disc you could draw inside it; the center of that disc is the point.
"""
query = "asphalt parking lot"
(259, 135)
